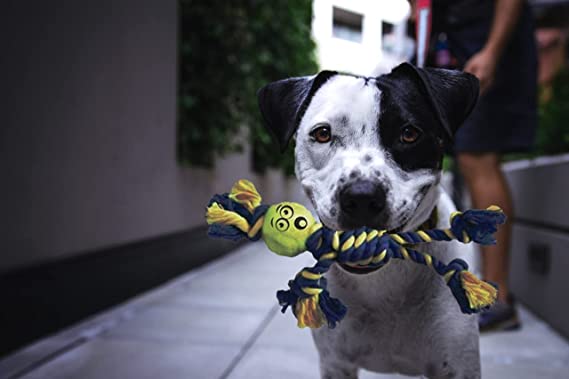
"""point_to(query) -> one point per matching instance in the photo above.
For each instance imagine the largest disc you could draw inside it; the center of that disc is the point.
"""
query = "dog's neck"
(432, 221)
(426, 214)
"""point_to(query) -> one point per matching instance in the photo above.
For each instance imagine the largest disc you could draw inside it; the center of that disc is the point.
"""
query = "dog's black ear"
(284, 102)
(452, 94)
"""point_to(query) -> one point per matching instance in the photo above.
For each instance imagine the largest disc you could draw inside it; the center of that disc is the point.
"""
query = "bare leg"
(487, 185)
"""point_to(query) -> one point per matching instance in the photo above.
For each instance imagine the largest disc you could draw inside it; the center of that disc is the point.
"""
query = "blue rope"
(229, 231)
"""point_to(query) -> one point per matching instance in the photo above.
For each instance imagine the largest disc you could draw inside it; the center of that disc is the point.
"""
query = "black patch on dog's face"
(406, 106)
(366, 117)
(436, 102)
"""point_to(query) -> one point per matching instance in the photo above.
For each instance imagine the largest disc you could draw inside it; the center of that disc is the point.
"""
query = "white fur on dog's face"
(351, 106)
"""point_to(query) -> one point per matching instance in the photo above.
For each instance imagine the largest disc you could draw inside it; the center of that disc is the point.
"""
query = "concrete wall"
(88, 134)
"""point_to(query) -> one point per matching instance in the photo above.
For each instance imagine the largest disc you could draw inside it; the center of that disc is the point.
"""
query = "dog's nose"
(362, 202)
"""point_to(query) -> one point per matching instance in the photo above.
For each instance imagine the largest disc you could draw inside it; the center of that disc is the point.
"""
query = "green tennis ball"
(286, 228)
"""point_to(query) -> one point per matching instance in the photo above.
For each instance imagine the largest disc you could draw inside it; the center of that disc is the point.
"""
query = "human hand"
(483, 66)
(413, 5)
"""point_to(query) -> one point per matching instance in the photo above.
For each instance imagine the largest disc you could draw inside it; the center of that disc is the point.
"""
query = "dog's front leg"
(333, 369)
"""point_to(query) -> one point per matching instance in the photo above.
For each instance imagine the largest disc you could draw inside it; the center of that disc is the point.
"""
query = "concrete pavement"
(222, 321)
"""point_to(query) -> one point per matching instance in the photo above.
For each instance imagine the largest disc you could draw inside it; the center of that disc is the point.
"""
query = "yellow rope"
(245, 193)
(310, 275)
(217, 215)
(256, 227)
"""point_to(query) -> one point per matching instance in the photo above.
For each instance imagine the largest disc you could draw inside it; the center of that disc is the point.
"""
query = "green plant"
(228, 50)
(552, 136)
(553, 131)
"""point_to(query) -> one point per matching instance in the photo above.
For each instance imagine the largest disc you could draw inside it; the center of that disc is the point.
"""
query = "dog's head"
(369, 150)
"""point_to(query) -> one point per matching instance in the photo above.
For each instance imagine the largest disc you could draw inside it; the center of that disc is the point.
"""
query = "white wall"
(88, 135)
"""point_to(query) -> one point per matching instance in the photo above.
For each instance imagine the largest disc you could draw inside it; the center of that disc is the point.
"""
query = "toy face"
(286, 228)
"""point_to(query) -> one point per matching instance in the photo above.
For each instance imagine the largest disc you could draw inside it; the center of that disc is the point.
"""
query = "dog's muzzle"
(362, 203)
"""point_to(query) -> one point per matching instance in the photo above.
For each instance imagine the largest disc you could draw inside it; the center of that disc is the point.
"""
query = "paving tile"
(236, 298)
(282, 331)
(262, 362)
(523, 371)
(112, 359)
(249, 282)
(267, 270)
(241, 279)
(205, 325)
(534, 340)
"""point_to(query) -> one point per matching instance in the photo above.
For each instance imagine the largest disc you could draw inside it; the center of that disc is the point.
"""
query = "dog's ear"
(284, 102)
(452, 94)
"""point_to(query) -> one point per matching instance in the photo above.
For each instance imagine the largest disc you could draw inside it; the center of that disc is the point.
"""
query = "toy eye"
(300, 223)
(322, 134)
(410, 134)
(286, 212)
(282, 225)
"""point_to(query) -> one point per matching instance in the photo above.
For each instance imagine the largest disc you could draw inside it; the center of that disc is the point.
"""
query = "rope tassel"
(471, 293)
(311, 303)
(480, 294)
(308, 313)
(477, 225)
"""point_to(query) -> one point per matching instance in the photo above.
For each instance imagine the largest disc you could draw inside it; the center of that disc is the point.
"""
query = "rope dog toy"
(289, 229)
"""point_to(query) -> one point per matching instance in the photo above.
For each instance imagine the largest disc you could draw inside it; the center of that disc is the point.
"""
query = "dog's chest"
(399, 284)
(390, 311)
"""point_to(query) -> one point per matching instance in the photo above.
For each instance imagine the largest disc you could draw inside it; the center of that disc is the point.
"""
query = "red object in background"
(423, 17)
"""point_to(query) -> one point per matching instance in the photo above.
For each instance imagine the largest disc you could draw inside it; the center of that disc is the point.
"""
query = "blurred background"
(121, 118)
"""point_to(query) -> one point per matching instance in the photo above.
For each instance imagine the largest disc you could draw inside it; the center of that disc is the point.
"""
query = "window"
(347, 25)
(386, 28)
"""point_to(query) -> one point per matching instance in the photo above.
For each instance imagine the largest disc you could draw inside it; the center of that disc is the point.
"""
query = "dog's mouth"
(353, 268)
(362, 269)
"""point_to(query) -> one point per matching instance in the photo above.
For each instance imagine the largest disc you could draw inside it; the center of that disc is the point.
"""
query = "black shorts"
(505, 118)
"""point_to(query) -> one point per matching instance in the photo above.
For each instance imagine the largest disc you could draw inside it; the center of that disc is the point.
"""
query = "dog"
(369, 152)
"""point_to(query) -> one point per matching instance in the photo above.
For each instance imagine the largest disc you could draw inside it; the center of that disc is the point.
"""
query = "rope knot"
(457, 265)
(471, 293)
(238, 214)
(478, 225)
(311, 303)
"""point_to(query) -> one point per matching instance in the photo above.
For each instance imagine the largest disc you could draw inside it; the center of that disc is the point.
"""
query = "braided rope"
(473, 225)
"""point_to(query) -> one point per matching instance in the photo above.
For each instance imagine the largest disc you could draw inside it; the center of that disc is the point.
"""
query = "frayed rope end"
(308, 312)
(480, 294)
(477, 225)
(472, 294)
(313, 311)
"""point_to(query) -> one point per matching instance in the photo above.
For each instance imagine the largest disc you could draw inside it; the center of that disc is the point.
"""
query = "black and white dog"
(369, 152)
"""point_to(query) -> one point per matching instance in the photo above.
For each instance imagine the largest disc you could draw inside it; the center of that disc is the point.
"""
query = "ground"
(222, 321)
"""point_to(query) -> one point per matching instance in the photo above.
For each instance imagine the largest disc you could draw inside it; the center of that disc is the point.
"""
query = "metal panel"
(539, 188)
(539, 277)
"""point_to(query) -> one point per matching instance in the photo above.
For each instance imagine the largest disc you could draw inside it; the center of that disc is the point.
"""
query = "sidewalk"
(222, 321)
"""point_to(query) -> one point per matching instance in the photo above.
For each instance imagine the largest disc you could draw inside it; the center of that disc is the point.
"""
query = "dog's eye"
(322, 134)
(410, 134)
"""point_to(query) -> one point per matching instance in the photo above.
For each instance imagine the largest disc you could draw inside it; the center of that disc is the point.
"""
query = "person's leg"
(487, 185)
